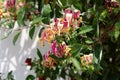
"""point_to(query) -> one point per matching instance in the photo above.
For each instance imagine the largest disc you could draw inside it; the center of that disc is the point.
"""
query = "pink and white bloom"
(68, 14)
(10, 3)
(46, 55)
(76, 14)
(58, 50)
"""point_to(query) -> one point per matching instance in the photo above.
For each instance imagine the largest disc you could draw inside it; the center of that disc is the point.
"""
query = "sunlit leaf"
(37, 20)
(88, 41)
(20, 17)
(97, 53)
(46, 10)
(76, 63)
(85, 29)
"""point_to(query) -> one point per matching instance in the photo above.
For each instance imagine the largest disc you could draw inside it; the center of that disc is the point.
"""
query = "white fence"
(13, 57)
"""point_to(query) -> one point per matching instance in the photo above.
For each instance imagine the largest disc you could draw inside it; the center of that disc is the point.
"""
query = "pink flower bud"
(76, 14)
(65, 24)
(68, 10)
(10, 3)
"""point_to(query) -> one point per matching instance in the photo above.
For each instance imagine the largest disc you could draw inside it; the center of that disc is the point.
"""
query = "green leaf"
(76, 63)
(56, 58)
(37, 20)
(21, 14)
(76, 49)
(16, 37)
(39, 54)
(88, 41)
(10, 76)
(116, 34)
(31, 32)
(30, 77)
(117, 30)
(97, 53)
(46, 10)
(85, 29)
(103, 15)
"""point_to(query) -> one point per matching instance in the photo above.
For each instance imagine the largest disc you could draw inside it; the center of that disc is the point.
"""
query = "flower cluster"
(59, 27)
(71, 19)
(87, 59)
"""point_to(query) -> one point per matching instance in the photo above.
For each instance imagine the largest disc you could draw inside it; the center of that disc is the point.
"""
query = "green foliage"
(37, 20)
(21, 14)
(30, 77)
(31, 32)
(16, 37)
(10, 76)
(39, 54)
(85, 29)
(46, 10)
(97, 34)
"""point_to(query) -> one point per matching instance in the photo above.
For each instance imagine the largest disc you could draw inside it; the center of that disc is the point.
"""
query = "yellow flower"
(50, 62)
(65, 30)
(67, 49)
(87, 59)
(80, 20)
(6, 15)
(48, 35)
(1, 11)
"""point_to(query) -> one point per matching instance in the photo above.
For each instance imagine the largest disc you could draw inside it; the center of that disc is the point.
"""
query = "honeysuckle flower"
(1, 12)
(54, 47)
(6, 15)
(48, 61)
(59, 50)
(62, 25)
(68, 17)
(72, 16)
(10, 3)
(47, 55)
(68, 14)
(59, 27)
(68, 10)
(76, 14)
(21, 4)
(48, 35)
(87, 59)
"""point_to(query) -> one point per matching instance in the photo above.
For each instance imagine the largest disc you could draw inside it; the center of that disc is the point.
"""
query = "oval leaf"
(16, 37)
(39, 54)
(30, 77)
(86, 29)
(31, 32)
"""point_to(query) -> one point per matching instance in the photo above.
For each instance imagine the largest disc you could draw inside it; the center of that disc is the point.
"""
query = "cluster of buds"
(87, 59)
(10, 3)
(59, 51)
(48, 61)
(59, 26)
(110, 4)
